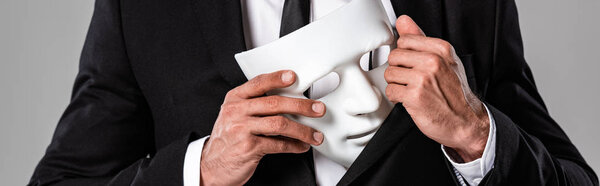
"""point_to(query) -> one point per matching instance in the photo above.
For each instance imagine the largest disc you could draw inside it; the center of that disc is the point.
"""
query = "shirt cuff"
(191, 163)
(474, 171)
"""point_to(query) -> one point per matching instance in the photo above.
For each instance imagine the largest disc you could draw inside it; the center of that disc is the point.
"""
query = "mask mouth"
(361, 139)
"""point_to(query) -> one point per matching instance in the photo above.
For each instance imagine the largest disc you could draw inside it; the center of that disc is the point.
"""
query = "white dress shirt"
(262, 20)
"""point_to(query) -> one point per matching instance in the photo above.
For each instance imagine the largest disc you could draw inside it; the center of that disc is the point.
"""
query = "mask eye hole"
(366, 61)
(374, 58)
(326, 85)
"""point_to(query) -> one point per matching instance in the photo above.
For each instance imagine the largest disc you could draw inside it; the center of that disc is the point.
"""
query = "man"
(157, 76)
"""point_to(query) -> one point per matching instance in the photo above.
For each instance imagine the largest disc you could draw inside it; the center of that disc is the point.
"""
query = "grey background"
(40, 43)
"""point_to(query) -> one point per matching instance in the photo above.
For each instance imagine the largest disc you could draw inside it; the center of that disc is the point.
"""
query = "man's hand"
(428, 78)
(249, 126)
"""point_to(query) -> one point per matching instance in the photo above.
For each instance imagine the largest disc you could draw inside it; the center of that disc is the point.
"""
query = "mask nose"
(363, 98)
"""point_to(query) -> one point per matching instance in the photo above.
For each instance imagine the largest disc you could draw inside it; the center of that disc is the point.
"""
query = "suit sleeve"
(106, 135)
(531, 148)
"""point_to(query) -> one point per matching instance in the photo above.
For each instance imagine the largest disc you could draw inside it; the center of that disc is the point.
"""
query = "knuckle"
(249, 145)
(279, 123)
(418, 94)
(434, 63)
(421, 79)
(445, 47)
(230, 93)
(389, 92)
(281, 146)
(432, 60)
(433, 70)
(272, 102)
(399, 41)
(404, 39)
(387, 74)
(256, 82)
(230, 108)
(226, 108)
(234, 128)
(393, 55)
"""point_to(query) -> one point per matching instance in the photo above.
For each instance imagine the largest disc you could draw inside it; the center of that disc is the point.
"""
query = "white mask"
(335, 43)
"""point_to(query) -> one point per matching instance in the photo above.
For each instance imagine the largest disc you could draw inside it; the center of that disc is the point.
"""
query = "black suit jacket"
(153, 74)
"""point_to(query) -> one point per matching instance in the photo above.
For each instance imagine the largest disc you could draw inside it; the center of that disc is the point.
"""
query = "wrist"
(203, 170)
(206, 176)
(470, 153)
(203, 180)
(476, 138)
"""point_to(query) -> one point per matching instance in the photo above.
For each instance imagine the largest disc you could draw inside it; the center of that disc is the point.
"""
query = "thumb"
(406, 25)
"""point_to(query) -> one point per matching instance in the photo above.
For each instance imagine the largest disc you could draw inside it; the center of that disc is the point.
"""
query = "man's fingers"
(410, 58)
(272, 105)
(263, 83)
(411, 37)
(396, 93)
(275, 145)
(425, 44)
(282, 126)
(398, 75)
(406, 25)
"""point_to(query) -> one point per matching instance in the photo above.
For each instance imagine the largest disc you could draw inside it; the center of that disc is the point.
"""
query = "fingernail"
(286, 77)
(318, 137)
(318, 107)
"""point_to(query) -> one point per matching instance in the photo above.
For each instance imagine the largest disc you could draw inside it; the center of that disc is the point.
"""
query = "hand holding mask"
(357, 107)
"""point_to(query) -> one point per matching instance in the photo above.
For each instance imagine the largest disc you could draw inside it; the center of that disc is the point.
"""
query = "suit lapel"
(396, 125)
(221, 24)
